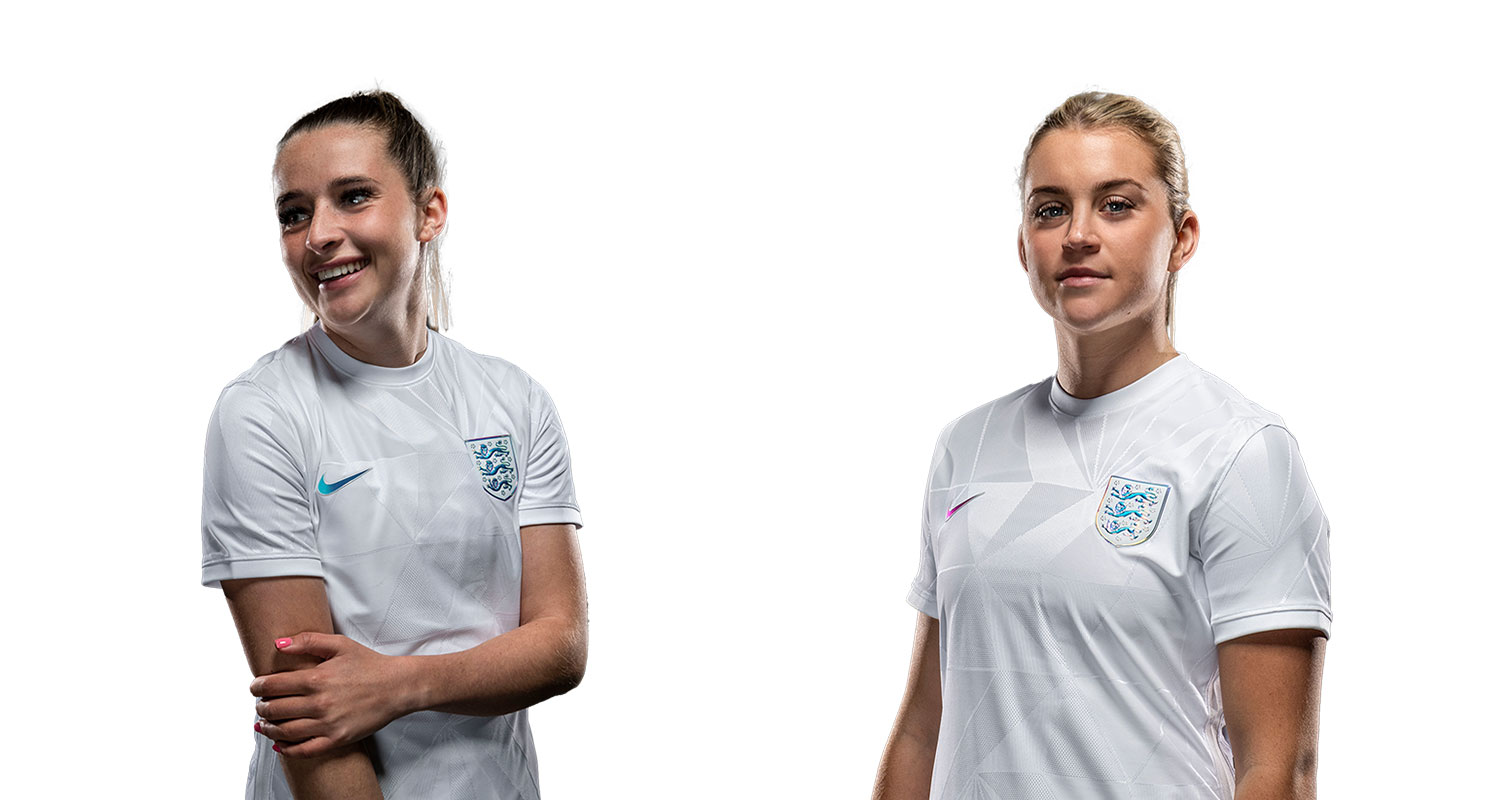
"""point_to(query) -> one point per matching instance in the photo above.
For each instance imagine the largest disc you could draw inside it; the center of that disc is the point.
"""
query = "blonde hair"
(1094, 110)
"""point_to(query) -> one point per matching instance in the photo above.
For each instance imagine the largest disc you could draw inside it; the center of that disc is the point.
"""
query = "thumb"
(321, 645)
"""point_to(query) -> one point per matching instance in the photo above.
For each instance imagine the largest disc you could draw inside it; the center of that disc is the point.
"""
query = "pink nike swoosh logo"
(954, 510)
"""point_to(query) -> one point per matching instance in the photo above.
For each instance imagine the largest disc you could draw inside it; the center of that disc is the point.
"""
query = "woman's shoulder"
(469, 366)
(459, 354)
(1222, 420)
(974, 423)
(1228, 402)
(294, 354)
(271, 384)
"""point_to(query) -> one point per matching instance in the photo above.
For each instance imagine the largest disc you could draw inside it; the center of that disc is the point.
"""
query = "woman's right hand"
(352, 693)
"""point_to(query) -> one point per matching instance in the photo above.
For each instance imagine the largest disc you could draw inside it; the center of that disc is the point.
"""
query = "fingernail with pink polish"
(282, 643)
(257, 727)
(276, 747)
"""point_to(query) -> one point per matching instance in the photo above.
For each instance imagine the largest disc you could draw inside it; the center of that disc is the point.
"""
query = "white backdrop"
(759, 253)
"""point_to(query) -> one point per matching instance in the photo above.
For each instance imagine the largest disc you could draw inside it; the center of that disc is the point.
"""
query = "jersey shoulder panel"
(273, 370)
(1239, 418)
(513, 385)
(286, 376)
(1235, 404)
(963, 437)
(272, 391)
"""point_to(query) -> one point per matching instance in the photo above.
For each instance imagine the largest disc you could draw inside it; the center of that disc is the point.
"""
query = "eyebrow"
(1102, 186)
(347, 180)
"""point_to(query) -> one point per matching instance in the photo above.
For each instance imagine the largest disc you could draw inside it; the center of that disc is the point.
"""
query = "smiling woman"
(378, 201)
(1123, 575)
(374, 494)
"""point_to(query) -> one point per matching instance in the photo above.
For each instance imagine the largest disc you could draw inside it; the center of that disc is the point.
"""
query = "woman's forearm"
(542, 658)
(344, 774)
(520, 668)
(1260, 783)
(350, 691)
(905, 767)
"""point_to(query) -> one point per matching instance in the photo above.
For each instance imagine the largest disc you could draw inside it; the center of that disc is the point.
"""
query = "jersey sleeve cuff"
(1274, 620)
(279, 567)
(550, 515)
(923, 602)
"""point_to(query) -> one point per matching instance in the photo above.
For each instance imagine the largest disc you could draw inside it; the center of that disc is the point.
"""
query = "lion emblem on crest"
(1129, 510)
(496, 461)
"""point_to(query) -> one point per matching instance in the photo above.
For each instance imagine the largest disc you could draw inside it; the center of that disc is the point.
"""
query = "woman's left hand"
(353, 693)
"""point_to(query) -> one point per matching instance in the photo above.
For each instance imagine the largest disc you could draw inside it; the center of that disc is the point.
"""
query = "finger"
(283, 684)
(288, 732)
(321, 645)
(280, 709)
(312, 747)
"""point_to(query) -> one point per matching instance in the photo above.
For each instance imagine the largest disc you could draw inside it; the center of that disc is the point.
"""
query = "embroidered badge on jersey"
(497, 465)
(1129, 510)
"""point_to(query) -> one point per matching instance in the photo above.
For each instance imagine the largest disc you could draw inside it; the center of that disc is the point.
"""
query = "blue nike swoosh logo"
(954, 510)
(324, 487)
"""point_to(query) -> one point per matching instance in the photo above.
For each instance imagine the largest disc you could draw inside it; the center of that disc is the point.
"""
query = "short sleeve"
(547, 495)
(257, 517)
(1264, 543)
(923, 593)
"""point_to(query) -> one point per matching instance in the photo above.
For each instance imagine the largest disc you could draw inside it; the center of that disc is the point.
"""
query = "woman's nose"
(1080, 234)
(322, 232)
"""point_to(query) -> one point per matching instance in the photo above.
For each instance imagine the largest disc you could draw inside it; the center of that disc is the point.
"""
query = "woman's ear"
(434, 216)
(1187, 242)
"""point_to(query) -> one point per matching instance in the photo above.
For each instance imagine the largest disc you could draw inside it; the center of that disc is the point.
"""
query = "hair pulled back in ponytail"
(412, 150)
(1094, 110)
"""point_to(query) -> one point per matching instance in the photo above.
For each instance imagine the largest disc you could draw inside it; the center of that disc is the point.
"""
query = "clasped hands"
(354, 692)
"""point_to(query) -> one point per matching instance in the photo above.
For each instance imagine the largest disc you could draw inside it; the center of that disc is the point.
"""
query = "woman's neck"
(1091, 365)
(395, 346)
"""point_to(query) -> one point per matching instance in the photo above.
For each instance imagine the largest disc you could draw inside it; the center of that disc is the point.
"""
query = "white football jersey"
(405, 490)
(1083, 559)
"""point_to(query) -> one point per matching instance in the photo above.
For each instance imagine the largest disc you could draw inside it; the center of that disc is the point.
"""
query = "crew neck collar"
(371, 373)
(1147, 386)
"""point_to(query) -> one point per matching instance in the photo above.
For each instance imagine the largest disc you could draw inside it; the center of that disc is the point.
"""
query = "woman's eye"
(356, 197)
(290, 216)
(1117, 206)
(1049, 211)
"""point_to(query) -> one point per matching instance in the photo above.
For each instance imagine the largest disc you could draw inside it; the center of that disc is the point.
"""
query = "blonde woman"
(1123, 581)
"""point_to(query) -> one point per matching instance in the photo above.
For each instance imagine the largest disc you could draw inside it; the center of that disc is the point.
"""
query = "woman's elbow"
(1296, 779)
(1305, 774)
(571, 675)
(572, 661)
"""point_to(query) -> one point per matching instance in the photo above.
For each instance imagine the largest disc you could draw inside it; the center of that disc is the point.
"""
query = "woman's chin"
(340, 316)
(1083, 319)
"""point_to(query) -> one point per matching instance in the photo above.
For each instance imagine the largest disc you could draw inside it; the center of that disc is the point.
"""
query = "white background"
(759, 253)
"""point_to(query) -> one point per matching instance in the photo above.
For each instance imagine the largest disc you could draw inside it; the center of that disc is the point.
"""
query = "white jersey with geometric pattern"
(405, 490)
(1084, 558)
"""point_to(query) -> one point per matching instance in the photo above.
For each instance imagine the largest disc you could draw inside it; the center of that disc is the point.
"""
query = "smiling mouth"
(339, 271)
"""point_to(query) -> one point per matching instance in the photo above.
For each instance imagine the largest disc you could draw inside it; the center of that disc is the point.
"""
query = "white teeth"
(355, 266)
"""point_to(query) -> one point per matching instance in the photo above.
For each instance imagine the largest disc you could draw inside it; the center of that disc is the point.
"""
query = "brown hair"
(414, 154)
(1093, 110)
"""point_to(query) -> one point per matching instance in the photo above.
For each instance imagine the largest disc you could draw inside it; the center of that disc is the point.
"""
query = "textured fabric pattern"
(371, 478)
(1083, 559)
